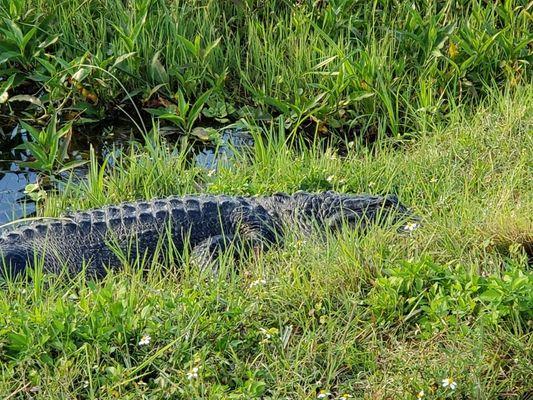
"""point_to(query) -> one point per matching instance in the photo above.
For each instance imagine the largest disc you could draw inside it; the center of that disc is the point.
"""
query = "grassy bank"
(379, 316)
(351, 67)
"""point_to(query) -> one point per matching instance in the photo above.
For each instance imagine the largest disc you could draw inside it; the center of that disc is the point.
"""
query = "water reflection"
(13, 202)
(232, 140)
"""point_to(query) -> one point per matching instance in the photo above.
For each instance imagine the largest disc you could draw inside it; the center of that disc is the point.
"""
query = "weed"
(49, 148)
(436, 297)
(340, 67)
(183, 115)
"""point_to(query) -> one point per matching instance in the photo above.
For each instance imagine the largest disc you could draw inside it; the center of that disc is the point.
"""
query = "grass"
(373, 67)
(376, 316)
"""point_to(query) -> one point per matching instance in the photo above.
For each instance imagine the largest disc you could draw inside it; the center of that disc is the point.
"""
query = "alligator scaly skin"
(105, 237)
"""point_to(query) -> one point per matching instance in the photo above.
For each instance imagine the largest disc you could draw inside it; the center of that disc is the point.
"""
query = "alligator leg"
(256, 227)
(254, 230)
(206, 253)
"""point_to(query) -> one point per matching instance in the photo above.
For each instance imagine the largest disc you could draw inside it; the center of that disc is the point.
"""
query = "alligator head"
(360, 211)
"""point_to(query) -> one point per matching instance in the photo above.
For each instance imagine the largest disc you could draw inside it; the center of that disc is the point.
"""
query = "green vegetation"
(430, 100)
(49, 147)
(376, 316)
(380, 67)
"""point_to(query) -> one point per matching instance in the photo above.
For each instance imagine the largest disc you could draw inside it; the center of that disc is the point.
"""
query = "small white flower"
(371, 184)
(330, 178)
(257, 283)
(411, 226)
(345, 396)
(323, 394)
(434, 180)
(420, 394)
(265, 333)
(268, 334)
(145, 340)
(449, 382)
(193, 374)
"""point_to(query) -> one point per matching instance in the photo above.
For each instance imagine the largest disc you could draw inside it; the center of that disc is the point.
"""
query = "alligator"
(100, 239)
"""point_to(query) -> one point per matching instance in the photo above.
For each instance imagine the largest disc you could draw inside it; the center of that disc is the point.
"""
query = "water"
(15, 204)
(209, 156)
